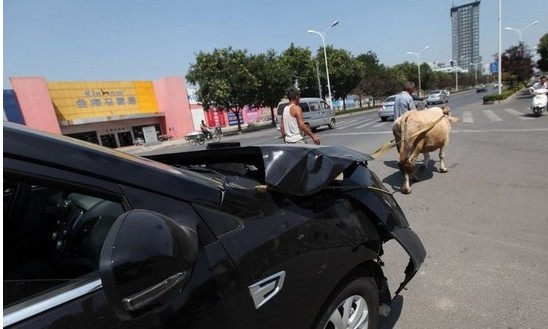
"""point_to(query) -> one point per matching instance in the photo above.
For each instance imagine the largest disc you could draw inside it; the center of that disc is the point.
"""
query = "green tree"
(302, 69)
(224, 80)
(517, 63)
(274, 77)
(345, 72)
(542, 51)
(380, 83)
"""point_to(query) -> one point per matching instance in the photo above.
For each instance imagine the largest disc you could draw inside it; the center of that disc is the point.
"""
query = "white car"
(437, 97)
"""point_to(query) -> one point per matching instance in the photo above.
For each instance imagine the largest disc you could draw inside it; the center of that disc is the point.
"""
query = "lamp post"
(520, 31)
(456, 62)
(322, 36)
(418, 64)
(476, 71)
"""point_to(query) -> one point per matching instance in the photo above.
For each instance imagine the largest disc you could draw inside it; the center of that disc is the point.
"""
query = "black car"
(481, 88)
(274, 236)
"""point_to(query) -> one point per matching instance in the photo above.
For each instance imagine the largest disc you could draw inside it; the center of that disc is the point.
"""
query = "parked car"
(481, 88)
(420, 103)
(386, 111)
(316, 112)
(437, 97)
(271, 236)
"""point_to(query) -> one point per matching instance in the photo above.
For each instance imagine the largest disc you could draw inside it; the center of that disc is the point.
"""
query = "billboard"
(107, 99)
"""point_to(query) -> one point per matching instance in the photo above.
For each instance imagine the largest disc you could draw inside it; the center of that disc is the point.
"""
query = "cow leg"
(426, 156)
(443, 168)
(406, 187)
(409, 171)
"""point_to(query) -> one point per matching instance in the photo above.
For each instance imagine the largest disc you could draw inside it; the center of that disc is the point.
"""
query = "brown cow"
(419, 132)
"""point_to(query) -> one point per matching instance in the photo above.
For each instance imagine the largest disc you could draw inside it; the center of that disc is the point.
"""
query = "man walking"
(292, 121)
(404, 101)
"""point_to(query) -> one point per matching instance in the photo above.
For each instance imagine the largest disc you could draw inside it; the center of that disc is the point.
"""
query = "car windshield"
(389, 99)
(435, 92)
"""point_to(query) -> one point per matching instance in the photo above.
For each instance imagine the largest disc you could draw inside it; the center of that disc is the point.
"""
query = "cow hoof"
(444, 170)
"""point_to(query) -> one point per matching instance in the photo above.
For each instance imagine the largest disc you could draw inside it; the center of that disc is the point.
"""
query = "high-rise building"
(465, 35)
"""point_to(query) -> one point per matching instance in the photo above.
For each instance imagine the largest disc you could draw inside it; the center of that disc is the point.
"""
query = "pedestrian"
(404, 101)
(293, 122)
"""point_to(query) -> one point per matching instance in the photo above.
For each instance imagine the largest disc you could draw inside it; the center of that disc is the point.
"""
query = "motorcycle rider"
(541, 84)
(205, 129)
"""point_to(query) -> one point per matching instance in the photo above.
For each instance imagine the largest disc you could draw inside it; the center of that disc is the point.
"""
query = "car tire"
(355, 305)
(384, 118)
(331, 124)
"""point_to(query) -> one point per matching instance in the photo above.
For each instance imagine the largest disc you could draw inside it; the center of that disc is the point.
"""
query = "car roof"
(303, 99)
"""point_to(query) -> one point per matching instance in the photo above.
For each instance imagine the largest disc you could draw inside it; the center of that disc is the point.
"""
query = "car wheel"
(384, 118)
(331, 124)
(355, 306)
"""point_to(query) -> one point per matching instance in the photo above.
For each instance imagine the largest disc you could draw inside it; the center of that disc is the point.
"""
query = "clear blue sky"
(100, 40)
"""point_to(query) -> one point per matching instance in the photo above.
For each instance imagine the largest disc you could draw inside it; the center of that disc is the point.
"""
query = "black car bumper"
(414, 248)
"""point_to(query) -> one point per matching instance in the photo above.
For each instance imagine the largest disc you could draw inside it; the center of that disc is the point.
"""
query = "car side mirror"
(145, 260)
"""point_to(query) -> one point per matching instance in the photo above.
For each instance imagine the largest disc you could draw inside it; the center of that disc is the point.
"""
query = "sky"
(121, 40)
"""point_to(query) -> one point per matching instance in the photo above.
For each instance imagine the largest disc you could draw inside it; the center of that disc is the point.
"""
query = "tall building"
(465, 35)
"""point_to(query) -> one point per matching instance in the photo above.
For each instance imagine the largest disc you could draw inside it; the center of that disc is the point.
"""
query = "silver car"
(386, 110)
(437, 97)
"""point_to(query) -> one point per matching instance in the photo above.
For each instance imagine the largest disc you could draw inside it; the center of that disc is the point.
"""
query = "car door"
(51, 270)
(55, 223)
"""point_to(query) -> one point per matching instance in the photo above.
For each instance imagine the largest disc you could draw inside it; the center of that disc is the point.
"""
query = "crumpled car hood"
(305, 171)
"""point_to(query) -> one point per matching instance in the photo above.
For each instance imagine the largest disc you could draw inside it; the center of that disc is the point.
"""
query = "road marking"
(491, 115)
(380, 124)
(518, 114)
(367, 124)
(467, 117)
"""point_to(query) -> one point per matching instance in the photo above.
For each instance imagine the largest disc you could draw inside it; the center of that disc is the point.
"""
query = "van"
(316, 112)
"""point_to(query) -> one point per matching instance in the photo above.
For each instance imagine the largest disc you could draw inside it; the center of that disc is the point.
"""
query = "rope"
(390, 144)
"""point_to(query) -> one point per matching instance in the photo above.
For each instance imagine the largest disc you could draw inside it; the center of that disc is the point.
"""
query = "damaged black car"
(270, 236)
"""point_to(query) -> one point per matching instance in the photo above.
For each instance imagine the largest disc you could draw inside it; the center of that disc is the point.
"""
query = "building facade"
(465, 35)
(117, 113)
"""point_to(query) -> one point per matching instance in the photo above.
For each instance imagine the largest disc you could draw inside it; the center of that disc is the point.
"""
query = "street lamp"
(455, 63)
(520, 31)
(418, 64)
(322, 36)
(476, 71)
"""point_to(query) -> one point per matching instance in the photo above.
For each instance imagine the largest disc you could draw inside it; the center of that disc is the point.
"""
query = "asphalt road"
(484, 223)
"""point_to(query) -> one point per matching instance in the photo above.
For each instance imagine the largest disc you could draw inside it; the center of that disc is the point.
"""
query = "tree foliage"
(517, 62)
(542, 51)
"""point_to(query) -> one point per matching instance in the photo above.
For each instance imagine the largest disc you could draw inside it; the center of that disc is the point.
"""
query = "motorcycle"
(539, 101)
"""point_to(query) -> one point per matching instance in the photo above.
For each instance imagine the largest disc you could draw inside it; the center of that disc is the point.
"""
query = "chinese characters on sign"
(99, 98)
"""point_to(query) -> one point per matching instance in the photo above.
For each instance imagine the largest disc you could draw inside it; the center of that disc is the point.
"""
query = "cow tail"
(405, 164)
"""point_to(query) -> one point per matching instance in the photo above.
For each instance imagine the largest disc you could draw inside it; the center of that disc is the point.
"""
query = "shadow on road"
(388, 322)
(395, 180)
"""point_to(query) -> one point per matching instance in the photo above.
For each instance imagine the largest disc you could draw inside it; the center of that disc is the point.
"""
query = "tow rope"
(390, 144)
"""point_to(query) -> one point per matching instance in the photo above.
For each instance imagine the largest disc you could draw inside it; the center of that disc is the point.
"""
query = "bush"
(488, 99)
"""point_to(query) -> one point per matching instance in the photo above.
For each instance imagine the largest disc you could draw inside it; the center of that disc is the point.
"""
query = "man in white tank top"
(292, 121)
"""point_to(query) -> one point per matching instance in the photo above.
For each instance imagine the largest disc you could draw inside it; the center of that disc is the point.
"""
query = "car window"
(304, 107)
(390, 99)
(52, 236)
(325, 105)
(281, 108)
(314, 106)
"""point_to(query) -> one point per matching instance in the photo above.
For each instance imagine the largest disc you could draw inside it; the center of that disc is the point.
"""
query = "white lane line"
(467, 117)
(491, 115)
(381, 124)
(518, 114)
